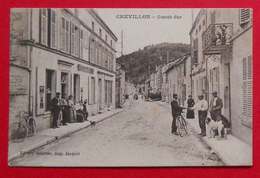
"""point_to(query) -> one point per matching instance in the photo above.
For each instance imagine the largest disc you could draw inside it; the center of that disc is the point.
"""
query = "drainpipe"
(30, 66)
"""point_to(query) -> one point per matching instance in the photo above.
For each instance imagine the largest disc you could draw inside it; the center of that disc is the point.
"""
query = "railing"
(217, 35)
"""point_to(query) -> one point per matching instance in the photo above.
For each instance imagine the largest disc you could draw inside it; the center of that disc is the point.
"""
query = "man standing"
(55, 103)
(216, 106)
(202, 107)
(176, 110)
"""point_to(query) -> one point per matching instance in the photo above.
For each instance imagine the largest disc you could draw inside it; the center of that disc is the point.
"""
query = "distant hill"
(137, 63)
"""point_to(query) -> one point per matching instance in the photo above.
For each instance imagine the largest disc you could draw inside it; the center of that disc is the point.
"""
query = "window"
(100, 33)
(247, 88)
(81, 43)
(244, 16)
(64, 35)
(93, 26)
(67, 36)
(106, 38)
(72, 38)
(195, 51)
(91, 50)
(53, 29)
(43, 26)
(92, 97)
(77, 41)
(111, 43)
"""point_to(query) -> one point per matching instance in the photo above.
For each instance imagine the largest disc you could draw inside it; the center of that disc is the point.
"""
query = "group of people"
(65, 111)
(207, 113)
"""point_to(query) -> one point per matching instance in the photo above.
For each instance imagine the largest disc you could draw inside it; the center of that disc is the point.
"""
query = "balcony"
(217, 37)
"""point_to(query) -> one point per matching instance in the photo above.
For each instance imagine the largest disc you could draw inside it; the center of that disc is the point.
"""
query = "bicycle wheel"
(31, 127)
(179, 126)
(184, 125)
(20, 133)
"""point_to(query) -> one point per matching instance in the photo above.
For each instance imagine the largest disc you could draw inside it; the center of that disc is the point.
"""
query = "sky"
(156, 26)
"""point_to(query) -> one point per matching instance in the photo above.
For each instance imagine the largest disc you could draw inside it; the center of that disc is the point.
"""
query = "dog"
(213, 126)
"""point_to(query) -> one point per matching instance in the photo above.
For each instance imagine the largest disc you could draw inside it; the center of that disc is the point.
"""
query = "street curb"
(54, 139)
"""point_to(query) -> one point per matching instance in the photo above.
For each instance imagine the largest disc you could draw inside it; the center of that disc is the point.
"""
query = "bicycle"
(181, 125)
(26, 126)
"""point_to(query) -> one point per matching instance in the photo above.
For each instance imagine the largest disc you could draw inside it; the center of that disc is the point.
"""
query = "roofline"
(102, 23)
(196, 19)
(177, 61)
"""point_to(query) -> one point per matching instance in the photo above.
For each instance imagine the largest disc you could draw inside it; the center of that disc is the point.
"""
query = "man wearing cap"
(202, 108)
(55, 103)
(216, 106)
(176, 110)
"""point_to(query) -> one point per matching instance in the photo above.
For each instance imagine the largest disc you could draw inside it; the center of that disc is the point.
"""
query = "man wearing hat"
(202, 107)
(176, 110)
(216, 106)
(55, 103)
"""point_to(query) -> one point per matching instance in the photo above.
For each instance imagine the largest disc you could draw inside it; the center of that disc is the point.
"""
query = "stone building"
(221, 50)
(178, 79)
(71, 51)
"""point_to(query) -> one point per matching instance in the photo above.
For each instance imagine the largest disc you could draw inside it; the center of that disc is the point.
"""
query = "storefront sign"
(85, 69)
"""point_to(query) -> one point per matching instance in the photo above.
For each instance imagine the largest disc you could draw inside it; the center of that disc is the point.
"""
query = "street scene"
(130, 87)
(141, 138)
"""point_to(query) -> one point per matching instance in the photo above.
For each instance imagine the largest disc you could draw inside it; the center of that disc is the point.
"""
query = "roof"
(201, 12)
(102, 23)
(176, 62)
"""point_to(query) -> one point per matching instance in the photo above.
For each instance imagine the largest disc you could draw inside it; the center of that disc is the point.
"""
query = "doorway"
(50, 88)
(76, 88)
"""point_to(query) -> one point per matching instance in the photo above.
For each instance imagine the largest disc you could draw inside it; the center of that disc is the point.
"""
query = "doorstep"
(47, 136)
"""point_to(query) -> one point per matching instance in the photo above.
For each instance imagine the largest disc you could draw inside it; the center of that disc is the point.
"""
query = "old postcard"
(130, 87)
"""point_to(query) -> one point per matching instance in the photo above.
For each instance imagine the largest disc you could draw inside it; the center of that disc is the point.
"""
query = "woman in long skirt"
(190, 104)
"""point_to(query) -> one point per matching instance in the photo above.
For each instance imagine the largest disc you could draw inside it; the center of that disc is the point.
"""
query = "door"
(100, 94)
(76, 88)
(227, 102)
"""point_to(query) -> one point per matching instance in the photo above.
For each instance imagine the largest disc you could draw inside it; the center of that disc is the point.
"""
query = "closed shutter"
(53, 29)
(244, 16)
(43, 26)
(247, 87)
(72, 38)
(62, 34)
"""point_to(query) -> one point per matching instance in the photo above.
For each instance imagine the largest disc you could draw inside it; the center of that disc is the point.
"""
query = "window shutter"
(244, 16)
(247, 87)
(43, 26)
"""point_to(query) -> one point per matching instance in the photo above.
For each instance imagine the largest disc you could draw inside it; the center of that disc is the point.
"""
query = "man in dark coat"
(216, 106)
(55, 105)
(176, 111)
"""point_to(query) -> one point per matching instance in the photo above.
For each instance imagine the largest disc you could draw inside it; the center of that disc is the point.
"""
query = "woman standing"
(72, 115)
(190, 104)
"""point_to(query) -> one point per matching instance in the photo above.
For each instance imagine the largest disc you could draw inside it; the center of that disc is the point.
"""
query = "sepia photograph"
(130, 87)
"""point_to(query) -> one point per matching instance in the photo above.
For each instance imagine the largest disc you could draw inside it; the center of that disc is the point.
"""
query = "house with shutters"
(221, 53)
(71, 51)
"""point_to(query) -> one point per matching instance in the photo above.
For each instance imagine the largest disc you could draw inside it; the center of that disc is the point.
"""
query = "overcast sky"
(139, 33)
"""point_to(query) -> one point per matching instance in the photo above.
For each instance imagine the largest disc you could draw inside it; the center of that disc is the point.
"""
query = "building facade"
(178, 79)
(71, 51)
(221, 49)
